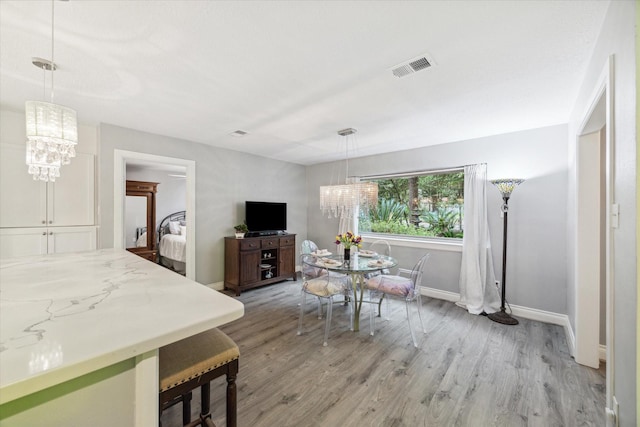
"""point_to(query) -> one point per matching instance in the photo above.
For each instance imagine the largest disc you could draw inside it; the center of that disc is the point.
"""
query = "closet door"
(71, 239)
(28, 203)
(15, 242)
(23, 201)
(71, 198)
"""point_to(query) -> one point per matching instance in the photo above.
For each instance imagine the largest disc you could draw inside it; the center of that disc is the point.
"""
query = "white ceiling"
(292, 74)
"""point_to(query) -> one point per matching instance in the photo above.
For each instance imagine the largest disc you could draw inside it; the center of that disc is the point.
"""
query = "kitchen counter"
(69, 315)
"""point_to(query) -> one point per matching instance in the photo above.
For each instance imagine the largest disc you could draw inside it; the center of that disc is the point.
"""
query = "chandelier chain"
(346, 200)
(52, 58)
(346, 178)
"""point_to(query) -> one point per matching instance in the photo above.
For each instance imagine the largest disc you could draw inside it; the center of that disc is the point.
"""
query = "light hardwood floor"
(467, 371)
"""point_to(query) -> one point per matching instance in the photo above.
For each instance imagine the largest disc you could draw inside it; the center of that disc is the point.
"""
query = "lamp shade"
(506, 185)
(52, 134)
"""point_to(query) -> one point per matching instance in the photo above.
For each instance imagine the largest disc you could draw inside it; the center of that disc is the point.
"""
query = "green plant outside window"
(420, 205)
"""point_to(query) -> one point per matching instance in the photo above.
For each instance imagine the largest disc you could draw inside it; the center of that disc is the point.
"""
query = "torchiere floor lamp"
(506, 187)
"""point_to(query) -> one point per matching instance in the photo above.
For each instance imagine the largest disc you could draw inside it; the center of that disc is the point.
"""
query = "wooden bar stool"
(193, 362)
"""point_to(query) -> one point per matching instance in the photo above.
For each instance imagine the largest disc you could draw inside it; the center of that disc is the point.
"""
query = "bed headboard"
(163, 228)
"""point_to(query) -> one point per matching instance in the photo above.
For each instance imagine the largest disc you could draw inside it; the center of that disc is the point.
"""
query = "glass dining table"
(357, 267)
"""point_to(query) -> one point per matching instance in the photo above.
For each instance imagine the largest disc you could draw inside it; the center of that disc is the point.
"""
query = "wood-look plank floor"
(467, 371)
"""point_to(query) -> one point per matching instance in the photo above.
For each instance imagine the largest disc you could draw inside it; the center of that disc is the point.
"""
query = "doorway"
(186, 171)
(593, 281)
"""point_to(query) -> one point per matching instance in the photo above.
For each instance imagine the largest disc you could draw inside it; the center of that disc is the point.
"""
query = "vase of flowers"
(347, 240)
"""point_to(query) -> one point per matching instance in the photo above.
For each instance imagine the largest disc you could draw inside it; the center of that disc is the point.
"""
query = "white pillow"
(183, 230)
(174, 227)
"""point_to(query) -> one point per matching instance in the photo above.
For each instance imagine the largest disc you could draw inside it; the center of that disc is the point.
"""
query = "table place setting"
(367, 253)
(328, 262)
(380, 263)
(321, 252)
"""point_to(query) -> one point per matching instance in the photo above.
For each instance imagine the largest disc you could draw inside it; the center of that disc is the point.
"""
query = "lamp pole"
(506, 186)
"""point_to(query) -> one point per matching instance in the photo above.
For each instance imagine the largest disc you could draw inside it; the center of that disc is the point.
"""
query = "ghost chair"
(404, 286)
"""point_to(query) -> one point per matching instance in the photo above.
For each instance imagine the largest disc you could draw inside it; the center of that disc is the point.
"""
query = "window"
(427, 204)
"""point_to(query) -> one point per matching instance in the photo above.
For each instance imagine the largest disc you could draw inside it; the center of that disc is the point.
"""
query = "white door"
(71, 198)
(588, 250)
(15, 242)
(23, 201)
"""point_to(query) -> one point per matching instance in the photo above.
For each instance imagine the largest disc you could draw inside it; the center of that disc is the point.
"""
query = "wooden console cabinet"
(258, 261)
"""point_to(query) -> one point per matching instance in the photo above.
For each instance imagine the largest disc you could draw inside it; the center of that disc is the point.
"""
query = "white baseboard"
(439, 294)
(540, 315)
(518, 311)
(571, 338)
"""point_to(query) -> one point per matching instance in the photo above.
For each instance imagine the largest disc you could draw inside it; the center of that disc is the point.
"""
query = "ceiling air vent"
(412, 66)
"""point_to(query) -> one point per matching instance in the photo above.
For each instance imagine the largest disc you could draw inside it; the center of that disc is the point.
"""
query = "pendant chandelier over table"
(344, 200)
(52, 129)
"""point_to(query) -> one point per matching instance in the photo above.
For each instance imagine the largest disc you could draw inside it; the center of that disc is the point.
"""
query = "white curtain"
(478, 292)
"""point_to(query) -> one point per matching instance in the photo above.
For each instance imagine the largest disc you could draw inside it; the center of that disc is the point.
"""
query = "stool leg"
(205, 395)
(232, 394)
(186, 408)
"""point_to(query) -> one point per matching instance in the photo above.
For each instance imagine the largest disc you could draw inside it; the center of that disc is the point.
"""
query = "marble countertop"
(65, 315)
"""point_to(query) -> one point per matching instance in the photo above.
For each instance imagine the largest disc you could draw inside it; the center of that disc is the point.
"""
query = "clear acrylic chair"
(381, 247)
(405, 285)
(308, 270)
(324, 287)
(309, 247)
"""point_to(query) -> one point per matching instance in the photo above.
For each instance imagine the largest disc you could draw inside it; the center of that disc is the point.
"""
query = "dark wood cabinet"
(258, 261)
(249, 267)
(287, 264)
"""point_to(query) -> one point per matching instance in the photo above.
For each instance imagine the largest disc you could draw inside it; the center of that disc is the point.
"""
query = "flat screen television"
(266, 216)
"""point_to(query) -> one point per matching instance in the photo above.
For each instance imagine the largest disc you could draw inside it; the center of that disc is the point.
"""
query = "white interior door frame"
(586, 337)
(119, 190)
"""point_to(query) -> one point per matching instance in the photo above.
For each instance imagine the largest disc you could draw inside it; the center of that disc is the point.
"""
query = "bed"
(172, 242)
(141, 237)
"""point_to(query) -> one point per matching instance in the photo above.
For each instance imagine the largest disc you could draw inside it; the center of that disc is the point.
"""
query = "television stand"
(257, 261)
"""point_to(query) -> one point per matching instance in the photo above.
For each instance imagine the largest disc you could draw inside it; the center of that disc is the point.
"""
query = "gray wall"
(536, 271)
(617, 38)
(224, 180)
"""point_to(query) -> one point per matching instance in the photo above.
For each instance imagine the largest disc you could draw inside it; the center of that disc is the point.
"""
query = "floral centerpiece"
(348, 240)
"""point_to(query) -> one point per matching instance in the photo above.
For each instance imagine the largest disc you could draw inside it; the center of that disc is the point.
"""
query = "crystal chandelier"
(52, 130)
(343, 200)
